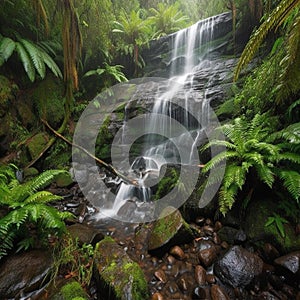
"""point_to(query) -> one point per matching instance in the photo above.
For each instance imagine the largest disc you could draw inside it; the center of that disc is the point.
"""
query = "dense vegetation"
(90, 45)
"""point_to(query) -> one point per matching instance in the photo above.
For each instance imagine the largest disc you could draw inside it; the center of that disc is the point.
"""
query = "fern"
(26, 204)
(33, 57)
(253, 146)
(275, 19)
(291, 181)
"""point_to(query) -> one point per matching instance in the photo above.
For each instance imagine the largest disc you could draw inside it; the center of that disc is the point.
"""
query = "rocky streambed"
(167, 259)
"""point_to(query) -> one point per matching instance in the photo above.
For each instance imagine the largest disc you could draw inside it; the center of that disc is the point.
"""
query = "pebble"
(200, 275)
(217, 293)
(218, 226)
(207, 256)
(157, 296)
(177, 252)
(161, 276)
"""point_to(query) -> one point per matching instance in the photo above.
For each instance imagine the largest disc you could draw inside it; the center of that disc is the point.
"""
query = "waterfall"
(190, 51)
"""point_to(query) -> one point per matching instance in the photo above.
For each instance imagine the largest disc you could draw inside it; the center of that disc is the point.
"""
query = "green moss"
(49, 100)
(119, 272)
(37, 144)
(72, 290)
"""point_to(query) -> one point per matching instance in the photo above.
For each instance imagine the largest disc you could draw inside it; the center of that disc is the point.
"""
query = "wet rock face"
(24, 273)
(238, 267)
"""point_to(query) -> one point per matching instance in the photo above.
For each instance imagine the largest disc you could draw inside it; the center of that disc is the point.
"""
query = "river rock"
(85, 234)
(238, 267)
(117, 274)
(208, 256)
(169, 229)
(24, 273)
(217, 293)
(290, 262)
(200, 275)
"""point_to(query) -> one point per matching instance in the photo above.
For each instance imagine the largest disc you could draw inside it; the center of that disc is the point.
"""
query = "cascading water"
(190, 49)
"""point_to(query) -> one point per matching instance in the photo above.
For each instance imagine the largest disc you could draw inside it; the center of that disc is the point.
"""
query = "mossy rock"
(7, 93)
(67, 290)
(117, 275)
(63, 179)
(169, 229)
(48, 97)
(36, 144)
(30, 172)
(25, 112)
(256, 217)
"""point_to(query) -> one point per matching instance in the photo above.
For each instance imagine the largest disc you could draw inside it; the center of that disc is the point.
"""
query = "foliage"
(135, 32)
(278, 221)
(109, 74)
(169, 182)
(255, 154)
(33, 57)
(28, 218)
(73, 260)
(274, 20)
(167, 19)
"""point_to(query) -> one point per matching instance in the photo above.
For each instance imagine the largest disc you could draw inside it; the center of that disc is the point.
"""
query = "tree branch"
(107, 166)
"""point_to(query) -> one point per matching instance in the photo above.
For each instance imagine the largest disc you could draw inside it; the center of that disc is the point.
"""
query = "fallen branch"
(107, 166)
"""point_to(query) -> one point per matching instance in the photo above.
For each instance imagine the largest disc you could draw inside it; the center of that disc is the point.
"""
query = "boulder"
(24, 273)
(169, 229)
(290, 262)
(117, 275)
(255, 227)
(238, 267)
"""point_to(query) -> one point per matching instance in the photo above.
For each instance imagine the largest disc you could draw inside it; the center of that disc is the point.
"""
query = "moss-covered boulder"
(169, 229)
(118, 276)
(66, 290)
(36, 144)
(48, 97)
(255, 226)
(63, 179)
(8, 90)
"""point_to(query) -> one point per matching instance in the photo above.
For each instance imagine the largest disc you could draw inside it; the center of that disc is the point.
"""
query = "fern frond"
(226, 144)
(227, 198)
(41, 197)
(43, 180)
(6, 240)
(277, 16)
(7, 47)
(51, 219)
(15, 218)
(35, 56)
(50, 63)
(292, 157)
(291, 181)
(220, 157)
(26, 61)
(234, 174)
(265, 174)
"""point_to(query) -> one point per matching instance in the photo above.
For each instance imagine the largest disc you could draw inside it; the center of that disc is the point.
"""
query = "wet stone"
(200, 293)
(200, 275)
(290, 261)
(157, 296)
(208, 256)
(217, 293)
(24, 273)
(161, 276)
(238, 267)
(177, 252)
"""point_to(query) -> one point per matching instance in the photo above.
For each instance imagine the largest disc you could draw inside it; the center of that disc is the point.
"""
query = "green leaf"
(7, 47)
(36, 58)
(26, 61)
